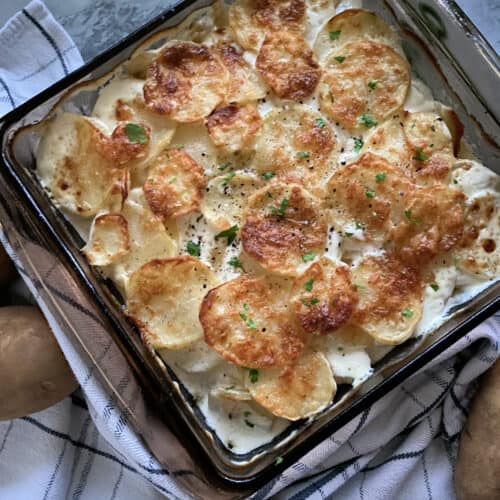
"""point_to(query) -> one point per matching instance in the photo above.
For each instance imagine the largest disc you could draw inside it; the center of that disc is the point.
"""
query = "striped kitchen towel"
(404, 446)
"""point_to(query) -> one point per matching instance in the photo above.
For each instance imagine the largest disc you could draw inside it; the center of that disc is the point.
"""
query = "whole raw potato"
(33, 372)
(477, 475)
(7, 270)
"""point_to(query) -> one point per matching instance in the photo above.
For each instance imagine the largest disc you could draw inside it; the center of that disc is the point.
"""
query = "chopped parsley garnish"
(279, 460)
(369, 193)
(420, 155)
(334, 35)
(172, 179)
(136, 133)
(303, 154)
(380, 177)
(308, 285)
(251, 324)
(247, 413)
(407, 313)
(243, 316)
(235, 262)
(308, 256)
(434, 286)
(229, 387)
(360, 287)
(368, 121)
(347, 233)
(358, 144)
(180, 146)
(409, 218)
(455, 181)
(246, 307)
(372, 84)
(314, 301)
(320, 122)
(253, 374)
(227, 178)
(340, 59)
(250, 424)
(230, 234)
(268, 175)
(193, 248)
(280, 211)
(224, 165)
(360, 226)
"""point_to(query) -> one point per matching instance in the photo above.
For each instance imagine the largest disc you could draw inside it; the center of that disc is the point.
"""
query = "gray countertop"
(96, 24)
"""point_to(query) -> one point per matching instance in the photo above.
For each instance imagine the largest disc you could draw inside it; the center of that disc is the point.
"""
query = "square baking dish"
(446, 52)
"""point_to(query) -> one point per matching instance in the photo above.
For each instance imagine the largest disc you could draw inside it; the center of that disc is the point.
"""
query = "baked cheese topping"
(279, 201)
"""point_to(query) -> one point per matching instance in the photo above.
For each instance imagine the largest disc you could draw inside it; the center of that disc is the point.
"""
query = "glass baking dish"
(446, 52)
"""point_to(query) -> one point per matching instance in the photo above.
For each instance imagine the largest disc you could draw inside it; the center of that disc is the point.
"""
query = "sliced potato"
(164, 297)
(186, 82)
(233, 128)
(324, 297)
(174, 185)
(109, 240)
(363, 84)
(251, 21)
(352, 25)
(288, 65)
(197, 357)
(296, 144)
(390, 299)
(248, 322)
(298, 390)
(283, 229)
(226, 198)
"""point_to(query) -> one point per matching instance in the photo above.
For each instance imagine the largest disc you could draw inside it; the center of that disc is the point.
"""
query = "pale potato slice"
(148, 238)
(363, 84)
(248, 322)
(390, 299)
(252, 20)
(351, 336)
(324, 297)
(351, 25)
(163, 299)
(288, 65)
(245, 83)
(197, 357)
(296, 391)
(370, 195)
(174, 185)
(233, 128)
(284, 228)
(296, 144)
(186, 82)
(109, 240)
(71, 166)
(480, 247)
(226, 198)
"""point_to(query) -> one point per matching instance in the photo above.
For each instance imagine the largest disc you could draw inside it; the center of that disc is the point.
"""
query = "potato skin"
(7, 270)
(33, 370)
(477, 474)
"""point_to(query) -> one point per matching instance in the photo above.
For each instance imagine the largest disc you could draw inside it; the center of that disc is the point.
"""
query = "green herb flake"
(407, 313)
(136, 133)
(314, 301)
(372, 84)
(308, 285)
(246, 307)
(368, 121)
(253, 374)
(172, 179)
(340, 59)
(229, 387)
(308, 256)
(358, 144)
(334, 35)
(230, 234)
(380, 177)
(268, 175)
(243, 316)
(235, 262)
(193, 248)
(280, 211)
(179, 146)
(320, 122)
(247, 413)
(369, 193)
(360, 287)
(251, 324)
(420, 155)
(249, 424)
(434, 286)
(348, 234)
(455, 181)
(303, 154)
(227, 178)
(360, 226)
(279, 460)
(409, 218)
(224, 165)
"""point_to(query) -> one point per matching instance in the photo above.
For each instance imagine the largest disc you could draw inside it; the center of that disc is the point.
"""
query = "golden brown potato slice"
(186, 82)
(245, 83)
(71, 163)
(324, 297)
(296, 144)
(248, 322)
(363, 84)
(390, 299)
(233, 128)
(296, 391)
(352, 25)
(288, 65)
(284, 228)
(369, 195)
(226, 198)
(252, 20)
(164, 297)
(174, 185)
(109, 240)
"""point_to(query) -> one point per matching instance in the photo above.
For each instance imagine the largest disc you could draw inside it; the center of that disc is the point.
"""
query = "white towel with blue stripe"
(404, 446)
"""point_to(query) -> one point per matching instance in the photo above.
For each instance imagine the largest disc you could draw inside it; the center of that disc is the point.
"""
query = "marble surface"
(97, 24)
